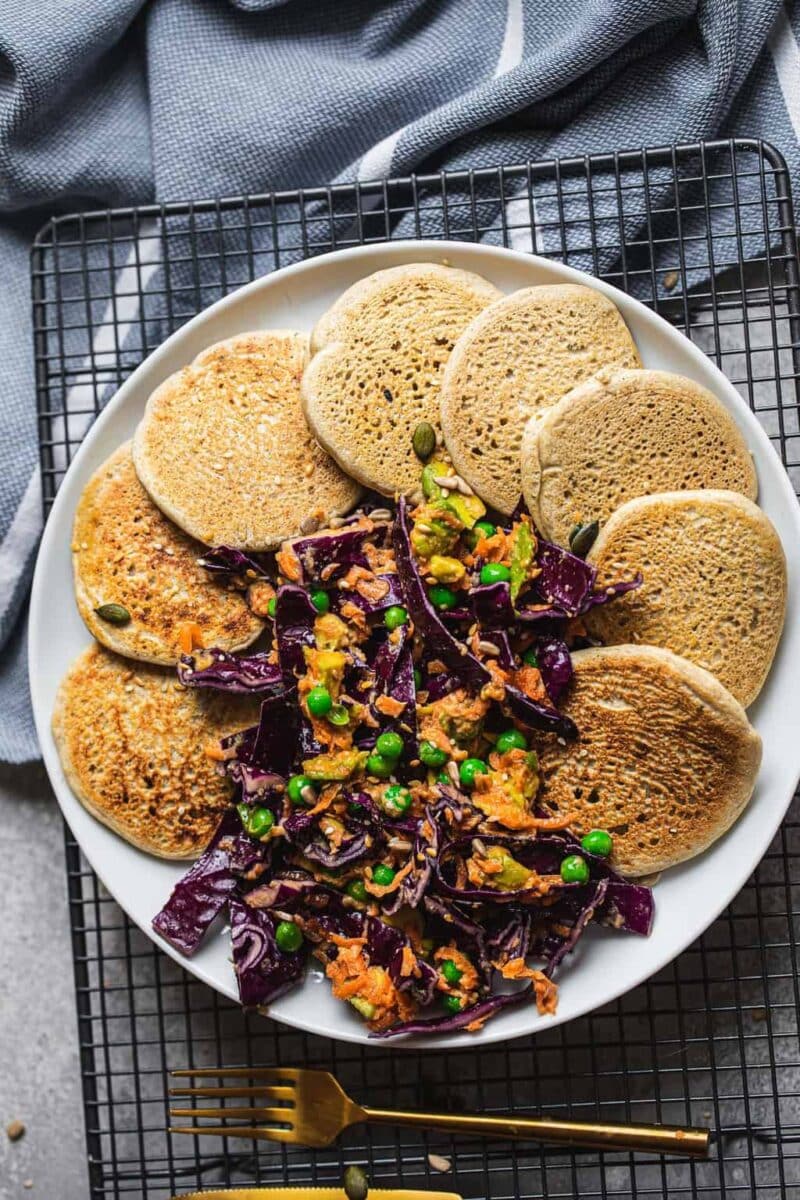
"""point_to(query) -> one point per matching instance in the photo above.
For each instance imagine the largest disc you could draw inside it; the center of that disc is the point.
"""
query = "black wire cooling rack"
(702, 233)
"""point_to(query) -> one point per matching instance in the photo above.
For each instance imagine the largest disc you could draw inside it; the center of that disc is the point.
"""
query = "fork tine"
(283, 1115)
(236, 1093)
(258, 1135)
(287, 1073)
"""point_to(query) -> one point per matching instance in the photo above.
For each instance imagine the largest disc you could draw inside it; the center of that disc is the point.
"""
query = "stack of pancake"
(541, 392)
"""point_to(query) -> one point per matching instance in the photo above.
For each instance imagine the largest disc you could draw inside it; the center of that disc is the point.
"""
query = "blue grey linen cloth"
(109, 102)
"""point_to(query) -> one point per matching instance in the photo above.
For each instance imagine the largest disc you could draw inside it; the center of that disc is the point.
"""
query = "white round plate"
(688, 898)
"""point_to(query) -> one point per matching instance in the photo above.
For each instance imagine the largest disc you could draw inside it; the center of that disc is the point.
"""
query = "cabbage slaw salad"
(387, 817)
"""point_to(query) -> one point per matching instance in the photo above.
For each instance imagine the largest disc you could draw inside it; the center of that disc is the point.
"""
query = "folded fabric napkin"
(111, 102)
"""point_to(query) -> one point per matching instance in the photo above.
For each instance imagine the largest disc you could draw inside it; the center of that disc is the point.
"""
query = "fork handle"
(661, 1139)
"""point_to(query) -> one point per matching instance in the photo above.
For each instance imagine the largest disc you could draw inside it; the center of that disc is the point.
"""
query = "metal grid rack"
(702, 233)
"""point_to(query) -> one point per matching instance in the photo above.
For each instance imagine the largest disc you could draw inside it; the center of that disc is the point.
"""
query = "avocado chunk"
(468, 509)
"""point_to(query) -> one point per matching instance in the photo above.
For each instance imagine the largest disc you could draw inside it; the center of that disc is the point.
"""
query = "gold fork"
(313, 1110)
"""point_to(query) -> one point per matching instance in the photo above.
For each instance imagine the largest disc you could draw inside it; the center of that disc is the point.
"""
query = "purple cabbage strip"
(248, 674)
(342, 549)
(201, 894)
(302, 831)
(603, 595)
(628, 906)
(555, 665)
(262, 970)
(340, 596)
(294, 629)
(491, 604)
(565, 580)
(226, 563)
(454, 654)
(480, 1011)
(271, 746)
(595, 899)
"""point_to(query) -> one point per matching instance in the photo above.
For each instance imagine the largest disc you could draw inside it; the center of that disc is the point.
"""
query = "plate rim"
(424, 250)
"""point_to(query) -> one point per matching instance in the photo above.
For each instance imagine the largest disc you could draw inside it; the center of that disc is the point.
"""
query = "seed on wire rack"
(356, 1183)
(440, 1163)
(670, 280)
(115, 614)
(424, 440)
(14, 1130)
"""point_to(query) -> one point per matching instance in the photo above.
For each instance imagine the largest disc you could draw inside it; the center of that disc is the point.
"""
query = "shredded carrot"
(288, 562)
(408, 962)
(379, 890)
(345, 942)
(545, 990)
(389, 707)
(190, 637)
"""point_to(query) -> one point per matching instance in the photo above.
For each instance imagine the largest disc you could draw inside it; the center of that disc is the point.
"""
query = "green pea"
(443, 777)
(530, 657)
(256, 821)
(379, 766)
(597, 841)
(339, 715)
(297, 790)
(495, 573)
(272, 605)
(319, 701)
(469, 768)
(389, 744)
(395, 616)
(260, 823)
(451, 972)
(321, 600)
(424, 440)
(511, 739)
(451, 1004)
(574, 869)
(431, 755)
(442, 597)
(417, 678)
(396, 799)
(288, 937)
(356, 890)
(383, 875)
(480, 529)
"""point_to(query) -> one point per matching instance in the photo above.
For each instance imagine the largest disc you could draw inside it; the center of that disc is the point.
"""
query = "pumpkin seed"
(583, 537)
(356, 1184)
(424, 440)
(115, 614)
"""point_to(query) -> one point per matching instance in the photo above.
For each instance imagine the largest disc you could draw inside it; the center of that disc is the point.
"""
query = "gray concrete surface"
(39, 1069)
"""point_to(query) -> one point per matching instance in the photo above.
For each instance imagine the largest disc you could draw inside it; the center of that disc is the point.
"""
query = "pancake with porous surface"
(665, 760)
(378, 358)
(714, 583)
(224, 449)
(134, 745)
(127, 555)
(517, 359)
(626, 434)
